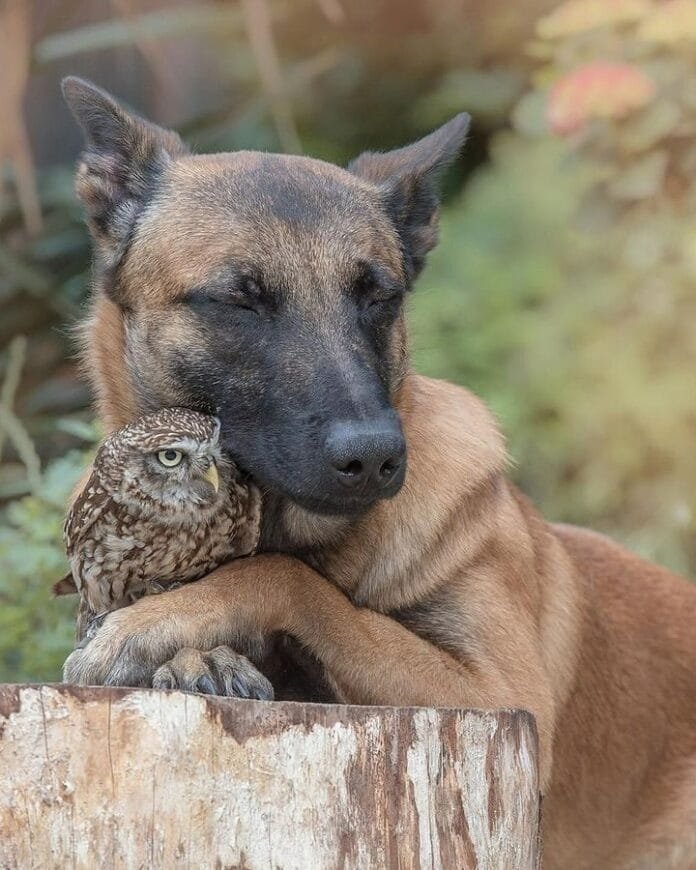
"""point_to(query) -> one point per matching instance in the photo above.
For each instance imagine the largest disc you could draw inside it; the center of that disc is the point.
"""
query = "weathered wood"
(126, 778)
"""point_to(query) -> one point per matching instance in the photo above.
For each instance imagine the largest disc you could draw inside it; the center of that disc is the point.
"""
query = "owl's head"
(169, 462)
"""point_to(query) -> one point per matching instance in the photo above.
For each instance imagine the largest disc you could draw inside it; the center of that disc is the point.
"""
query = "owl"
(162, 506)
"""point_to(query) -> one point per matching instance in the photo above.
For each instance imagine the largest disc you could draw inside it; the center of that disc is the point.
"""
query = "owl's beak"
(212, 476)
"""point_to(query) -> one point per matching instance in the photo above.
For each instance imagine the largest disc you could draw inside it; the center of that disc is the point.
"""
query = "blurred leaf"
(576, 16)
(598, 89)
(487, 95)
(670, 22)
(642, 179)
(36, 631)
(646, 129)
(529, 117)
(80, 429)
(206, 17)
(23, 274)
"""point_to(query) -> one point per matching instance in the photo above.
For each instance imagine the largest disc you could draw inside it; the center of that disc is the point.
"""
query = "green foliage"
(51, 271)
(36, 631)
(564, 288)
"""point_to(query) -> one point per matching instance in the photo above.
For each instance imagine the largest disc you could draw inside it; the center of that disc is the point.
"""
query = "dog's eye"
(244, 303)
(248, 296)
(170, 458)
(376, 288)
(382, 299)
(243, 295)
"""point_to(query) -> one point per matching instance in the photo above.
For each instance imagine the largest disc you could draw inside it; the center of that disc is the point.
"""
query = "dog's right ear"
(119, 169)
(407, 180)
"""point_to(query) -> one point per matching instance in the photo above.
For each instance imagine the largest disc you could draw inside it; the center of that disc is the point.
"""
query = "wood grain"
(125, 778)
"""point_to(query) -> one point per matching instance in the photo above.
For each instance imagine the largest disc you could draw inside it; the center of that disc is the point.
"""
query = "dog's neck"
(384, 559)
(288, 528)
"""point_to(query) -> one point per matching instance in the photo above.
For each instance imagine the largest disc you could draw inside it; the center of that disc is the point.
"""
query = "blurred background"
(563, 290)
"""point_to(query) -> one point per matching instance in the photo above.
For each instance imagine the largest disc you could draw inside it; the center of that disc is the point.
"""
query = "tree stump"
(129, 778)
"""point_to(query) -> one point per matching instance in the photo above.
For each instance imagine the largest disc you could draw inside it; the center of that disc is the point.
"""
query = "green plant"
(36, 630)
(564, 291)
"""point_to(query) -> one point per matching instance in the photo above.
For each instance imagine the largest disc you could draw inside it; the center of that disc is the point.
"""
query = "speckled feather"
(127, 536)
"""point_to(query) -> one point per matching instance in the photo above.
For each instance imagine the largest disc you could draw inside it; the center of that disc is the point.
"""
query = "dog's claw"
(221, 671)
(205, 685)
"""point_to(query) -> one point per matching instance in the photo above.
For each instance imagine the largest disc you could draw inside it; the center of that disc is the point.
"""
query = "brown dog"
(270, 288)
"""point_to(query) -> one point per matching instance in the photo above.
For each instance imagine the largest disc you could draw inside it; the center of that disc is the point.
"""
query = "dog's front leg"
(371, 658)
(241, 604)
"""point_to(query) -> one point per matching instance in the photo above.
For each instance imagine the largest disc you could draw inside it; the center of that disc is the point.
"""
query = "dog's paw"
(123, 651)
(220, 671)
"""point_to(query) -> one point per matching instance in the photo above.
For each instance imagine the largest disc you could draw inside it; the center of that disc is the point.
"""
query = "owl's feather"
(87, 508)
(136, 529)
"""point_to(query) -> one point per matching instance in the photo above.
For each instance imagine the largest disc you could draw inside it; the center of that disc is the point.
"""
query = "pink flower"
(597, 90)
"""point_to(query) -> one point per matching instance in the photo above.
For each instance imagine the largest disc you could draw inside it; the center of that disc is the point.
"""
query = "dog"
(397, 557)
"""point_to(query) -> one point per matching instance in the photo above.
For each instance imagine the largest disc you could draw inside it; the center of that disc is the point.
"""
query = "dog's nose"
(367, 455)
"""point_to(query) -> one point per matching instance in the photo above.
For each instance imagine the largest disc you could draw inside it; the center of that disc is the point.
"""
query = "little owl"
(162, 506)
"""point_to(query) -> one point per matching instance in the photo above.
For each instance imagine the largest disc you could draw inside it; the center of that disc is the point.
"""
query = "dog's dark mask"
(267, 288)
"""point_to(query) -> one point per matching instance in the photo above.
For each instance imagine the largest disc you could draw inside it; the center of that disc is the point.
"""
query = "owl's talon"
(96, 623)
(93, 626)
(158, 588)
(155, 588)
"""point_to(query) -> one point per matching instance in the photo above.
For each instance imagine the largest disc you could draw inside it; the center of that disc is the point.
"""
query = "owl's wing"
(250, 523)
(87, 508)
(245, 508)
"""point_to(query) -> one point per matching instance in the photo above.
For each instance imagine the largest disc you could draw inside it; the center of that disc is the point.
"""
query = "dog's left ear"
(408, 181)
(120, 167)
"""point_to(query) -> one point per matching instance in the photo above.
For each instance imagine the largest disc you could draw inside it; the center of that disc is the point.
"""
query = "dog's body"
(447, 591)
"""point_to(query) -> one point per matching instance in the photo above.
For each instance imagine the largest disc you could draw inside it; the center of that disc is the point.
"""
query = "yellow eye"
(170, 458)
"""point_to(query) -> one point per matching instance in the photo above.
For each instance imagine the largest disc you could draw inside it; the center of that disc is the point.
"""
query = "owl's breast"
(126, 556)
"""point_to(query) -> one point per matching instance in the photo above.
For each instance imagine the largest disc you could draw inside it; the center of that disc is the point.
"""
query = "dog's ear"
(408, 181)
(118, 171)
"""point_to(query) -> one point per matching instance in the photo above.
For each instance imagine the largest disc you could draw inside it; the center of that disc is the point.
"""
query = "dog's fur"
(454, 592)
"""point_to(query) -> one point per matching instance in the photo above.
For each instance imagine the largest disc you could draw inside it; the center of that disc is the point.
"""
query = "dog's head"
(268, 289)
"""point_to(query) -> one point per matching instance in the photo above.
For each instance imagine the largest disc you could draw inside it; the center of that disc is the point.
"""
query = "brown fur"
(104, 335)
(476, 602)
(453, 593)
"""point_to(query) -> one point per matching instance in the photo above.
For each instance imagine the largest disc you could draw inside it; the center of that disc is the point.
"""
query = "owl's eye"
(170, 458)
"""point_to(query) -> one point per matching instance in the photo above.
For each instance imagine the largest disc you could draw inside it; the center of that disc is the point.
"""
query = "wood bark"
(129, 778)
